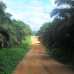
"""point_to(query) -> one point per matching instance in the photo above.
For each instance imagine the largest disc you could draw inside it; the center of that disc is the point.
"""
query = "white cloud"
(35, 13)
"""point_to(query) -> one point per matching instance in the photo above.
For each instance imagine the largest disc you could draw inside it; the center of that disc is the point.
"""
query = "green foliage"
(11, 31)
(27, 40)
(56, 52)
(10, 57)
(63, 12)
(58, 36)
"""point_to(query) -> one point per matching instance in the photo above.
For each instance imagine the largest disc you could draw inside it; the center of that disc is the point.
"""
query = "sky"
(31, 12)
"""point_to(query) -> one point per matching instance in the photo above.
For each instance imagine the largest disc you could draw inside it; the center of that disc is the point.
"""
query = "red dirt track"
(37, 61)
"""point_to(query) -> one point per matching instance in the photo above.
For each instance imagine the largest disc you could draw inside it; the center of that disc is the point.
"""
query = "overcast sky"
(32, 12)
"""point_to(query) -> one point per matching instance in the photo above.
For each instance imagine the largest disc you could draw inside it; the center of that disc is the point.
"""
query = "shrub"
(10, 57)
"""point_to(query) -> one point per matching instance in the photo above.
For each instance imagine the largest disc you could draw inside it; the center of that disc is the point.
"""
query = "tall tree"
(64, 12)
(2, 11)
(11, 31)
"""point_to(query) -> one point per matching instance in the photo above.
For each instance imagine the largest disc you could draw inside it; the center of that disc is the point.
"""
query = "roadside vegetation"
(58, 36)
(11, 31)
(10, 57)
(14, 40)
(27, 40)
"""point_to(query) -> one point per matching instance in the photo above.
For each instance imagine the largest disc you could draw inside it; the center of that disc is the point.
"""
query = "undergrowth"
(10, 57)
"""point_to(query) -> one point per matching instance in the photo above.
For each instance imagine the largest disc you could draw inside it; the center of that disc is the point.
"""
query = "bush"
(10, 57)
(56, 52)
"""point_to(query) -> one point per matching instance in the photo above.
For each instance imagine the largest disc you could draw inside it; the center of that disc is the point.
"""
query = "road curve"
(37, 61)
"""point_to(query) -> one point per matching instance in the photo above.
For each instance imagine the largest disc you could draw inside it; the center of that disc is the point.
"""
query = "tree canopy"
(11, 31)
(59, 34)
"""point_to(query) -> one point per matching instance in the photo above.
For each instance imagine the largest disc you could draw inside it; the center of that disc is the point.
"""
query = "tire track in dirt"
(37, 61)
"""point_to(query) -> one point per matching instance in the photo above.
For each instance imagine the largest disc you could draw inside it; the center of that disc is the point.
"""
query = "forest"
(58, 36)
(11, 31)
(14, 40)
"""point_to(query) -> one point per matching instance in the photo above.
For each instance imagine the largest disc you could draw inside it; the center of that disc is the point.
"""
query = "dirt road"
(37, 61)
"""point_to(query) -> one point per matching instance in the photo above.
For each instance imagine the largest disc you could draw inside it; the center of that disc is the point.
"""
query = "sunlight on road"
(34, 40)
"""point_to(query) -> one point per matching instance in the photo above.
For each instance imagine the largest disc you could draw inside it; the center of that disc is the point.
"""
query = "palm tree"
(2, 10)
(64, 12)
(11, 31)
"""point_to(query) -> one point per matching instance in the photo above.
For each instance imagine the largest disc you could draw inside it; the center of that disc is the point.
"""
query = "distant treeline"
(11, 31)
(58, 35)
(34, 32)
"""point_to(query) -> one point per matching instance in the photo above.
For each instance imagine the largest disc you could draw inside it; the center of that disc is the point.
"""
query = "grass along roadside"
(28, 40)
(10, 57)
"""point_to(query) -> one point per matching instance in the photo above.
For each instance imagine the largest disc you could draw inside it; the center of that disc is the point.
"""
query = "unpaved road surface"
(37, 61)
